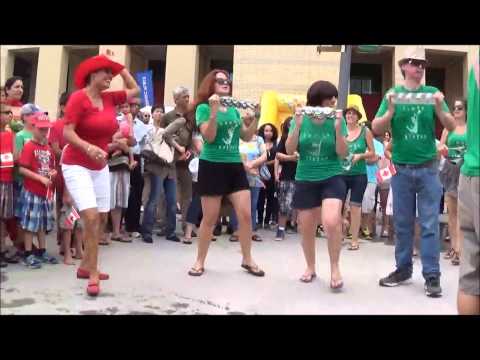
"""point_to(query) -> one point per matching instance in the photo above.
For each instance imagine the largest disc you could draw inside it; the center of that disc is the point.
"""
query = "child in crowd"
(7, 158)
(125, 131)
(194, 212)
(35, 206)
(69, 224)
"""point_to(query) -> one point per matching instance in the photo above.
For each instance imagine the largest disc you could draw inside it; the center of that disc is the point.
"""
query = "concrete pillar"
(51, 77)
(120, 54)
(181, 69)
(6, 64)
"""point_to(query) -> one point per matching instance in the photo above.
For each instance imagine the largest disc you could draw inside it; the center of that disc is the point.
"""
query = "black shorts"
(310, 194)
(357, 184)
(218, 179)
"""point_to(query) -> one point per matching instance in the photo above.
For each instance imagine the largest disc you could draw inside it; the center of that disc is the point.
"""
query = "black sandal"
(308, 278)
(233, 238)
(187, 241)
(251, 271)
(196, 272)
(456, 259)
(256, 238)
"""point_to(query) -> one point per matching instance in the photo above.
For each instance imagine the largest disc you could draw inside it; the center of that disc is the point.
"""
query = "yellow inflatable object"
(275, 107)
(354, 99)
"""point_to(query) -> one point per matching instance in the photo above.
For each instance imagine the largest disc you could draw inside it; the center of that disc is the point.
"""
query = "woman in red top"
(14, 93)
(90, 122)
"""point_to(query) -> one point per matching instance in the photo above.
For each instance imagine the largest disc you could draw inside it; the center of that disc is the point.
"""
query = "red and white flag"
(6, 160)
(72, 217)
(385, 173)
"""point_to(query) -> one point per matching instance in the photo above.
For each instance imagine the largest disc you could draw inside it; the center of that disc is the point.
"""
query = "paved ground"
(152, 279)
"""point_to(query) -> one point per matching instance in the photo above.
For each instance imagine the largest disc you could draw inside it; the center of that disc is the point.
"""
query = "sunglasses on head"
(418, 63)
(223, 81)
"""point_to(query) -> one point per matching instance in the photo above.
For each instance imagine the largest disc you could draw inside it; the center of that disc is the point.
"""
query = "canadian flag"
(6, 160)
(385, 173)
(72, 217)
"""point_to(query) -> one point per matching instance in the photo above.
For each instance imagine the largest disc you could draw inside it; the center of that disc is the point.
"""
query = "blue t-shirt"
(372, 169)
(251, 151)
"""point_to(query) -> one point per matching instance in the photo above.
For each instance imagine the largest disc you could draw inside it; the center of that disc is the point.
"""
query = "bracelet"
(88, 148)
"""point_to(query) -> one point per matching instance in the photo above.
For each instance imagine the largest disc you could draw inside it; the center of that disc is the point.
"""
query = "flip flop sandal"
(337, 286)
(196, 272)
(93, 289)
(233, 238)
(104, 243)
(449, 255)
(456, 259)
(308, 278)
(121, 239)
(256, 238)
(251, 270)
(214, 239)
(354, 247)
(185, 241)
(85, 274)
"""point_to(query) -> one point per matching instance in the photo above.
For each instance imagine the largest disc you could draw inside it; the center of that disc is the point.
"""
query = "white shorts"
(89, 188)
(368, 202)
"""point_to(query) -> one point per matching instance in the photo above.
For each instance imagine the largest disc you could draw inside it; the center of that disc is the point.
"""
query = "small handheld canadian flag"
(385, 173)
(72, 217)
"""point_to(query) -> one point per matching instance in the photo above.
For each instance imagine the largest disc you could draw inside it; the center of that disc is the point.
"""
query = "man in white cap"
(414, 156)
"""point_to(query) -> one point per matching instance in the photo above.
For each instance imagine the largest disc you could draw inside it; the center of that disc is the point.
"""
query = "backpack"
(156, 148)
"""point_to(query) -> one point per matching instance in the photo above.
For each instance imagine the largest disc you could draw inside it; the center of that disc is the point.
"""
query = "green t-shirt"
(471, 164)
(413, 128)
(358, 146)
(456, 144)
(22, 137)
(225, 146)
(316, 146)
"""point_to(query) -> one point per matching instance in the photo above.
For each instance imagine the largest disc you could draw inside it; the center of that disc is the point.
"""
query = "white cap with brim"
(413, 52)
(29, 109)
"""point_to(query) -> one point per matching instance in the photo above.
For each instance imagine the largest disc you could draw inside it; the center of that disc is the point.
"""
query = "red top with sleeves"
(56, 133)
(6, 156)
(93, 125)
(40, 159)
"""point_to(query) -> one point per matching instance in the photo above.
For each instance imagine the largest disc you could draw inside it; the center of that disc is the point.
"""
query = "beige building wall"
(181, 69)
(286, 69)
(51, 77)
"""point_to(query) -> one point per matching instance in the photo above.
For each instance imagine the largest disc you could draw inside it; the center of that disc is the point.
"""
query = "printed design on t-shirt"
(226, 140)
(315, 145)
(43, 159)
(414, 113)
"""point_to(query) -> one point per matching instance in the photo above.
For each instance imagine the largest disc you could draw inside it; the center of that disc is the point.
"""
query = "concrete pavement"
(152, 279)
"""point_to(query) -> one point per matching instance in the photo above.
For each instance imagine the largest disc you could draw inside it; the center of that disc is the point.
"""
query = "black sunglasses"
(9, 112)
(418, 63)
(458, 107)
(223, 81)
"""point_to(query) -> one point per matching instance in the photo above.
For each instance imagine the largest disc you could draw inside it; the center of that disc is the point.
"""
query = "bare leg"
(79, 243)
(332, 222)
(241, 203)
(92, 233)
(67, 242)
(28, 240)
(307, 222)
(210, 209)
(468, 304)
(355, 223)
(116, 215)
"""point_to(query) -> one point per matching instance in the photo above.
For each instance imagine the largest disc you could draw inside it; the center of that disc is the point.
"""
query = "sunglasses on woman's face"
(223, 81)
(9, 112)
(458, 107)
(418, 63)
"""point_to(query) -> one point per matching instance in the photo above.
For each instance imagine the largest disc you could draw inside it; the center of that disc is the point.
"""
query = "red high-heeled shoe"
(85, 274)
(93, 289)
